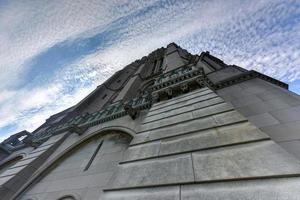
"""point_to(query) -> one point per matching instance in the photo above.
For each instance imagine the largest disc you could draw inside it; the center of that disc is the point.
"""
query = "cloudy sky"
(53, 53)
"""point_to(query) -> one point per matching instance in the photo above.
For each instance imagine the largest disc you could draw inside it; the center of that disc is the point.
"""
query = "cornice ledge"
(244, 77)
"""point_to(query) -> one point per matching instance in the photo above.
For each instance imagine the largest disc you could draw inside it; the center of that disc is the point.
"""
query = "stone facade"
(171, 125)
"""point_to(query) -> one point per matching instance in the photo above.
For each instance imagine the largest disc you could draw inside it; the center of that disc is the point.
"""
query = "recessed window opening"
(93, 156)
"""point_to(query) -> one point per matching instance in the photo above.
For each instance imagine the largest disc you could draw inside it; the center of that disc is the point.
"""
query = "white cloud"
(33, 27)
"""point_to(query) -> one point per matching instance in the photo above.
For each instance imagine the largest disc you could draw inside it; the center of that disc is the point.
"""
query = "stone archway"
(85, 167)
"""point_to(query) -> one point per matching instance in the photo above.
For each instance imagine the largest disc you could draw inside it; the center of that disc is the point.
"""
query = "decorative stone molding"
(176, 76)
(244, 77)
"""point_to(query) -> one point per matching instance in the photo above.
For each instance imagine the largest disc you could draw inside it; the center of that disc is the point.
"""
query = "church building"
(169, 126)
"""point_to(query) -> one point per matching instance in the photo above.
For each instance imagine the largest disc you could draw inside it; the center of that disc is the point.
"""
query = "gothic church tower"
(172, 126)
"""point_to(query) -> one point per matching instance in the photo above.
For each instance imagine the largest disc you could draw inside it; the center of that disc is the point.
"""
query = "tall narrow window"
(161, 64)
(93, 156)
(154, 67)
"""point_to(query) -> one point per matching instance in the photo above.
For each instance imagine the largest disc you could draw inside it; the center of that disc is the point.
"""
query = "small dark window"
(93, 156)
(104, 96)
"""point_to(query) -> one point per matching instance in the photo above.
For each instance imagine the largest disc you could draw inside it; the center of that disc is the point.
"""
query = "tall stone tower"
(172, 126)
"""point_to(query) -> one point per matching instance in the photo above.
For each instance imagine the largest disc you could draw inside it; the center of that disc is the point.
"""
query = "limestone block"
(93, 193)
(140, 138)
(102, 167)
(287, 189)
(181, 103)
(41, 187)
(142, 151)
(219, 108)
(14, 182)
(52, 140)
(237, 133)
(228, 118)
(78, 182)
(12, 171)
(292, 146)
(245, 100)
(4, 179)
(159, 193)
(182, 128)
(223, 74)
(62, 174)
(186, 108)
(244, 161)
(189, 95)
(23, 162)
(174, 61)
(41, 148)
(287, 115)
(34, 155)
(276, 104)
(174, 169)
(263, 120)
(166, 122)
(283, 132)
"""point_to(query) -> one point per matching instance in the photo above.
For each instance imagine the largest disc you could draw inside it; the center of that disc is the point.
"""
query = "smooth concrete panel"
(160, 193)
(272, 189)
(237, 133)
(244, 161)
(160, 171)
